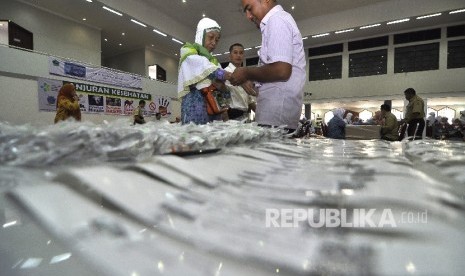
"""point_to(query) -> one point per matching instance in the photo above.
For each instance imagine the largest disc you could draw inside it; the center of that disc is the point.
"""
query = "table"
(363, 132)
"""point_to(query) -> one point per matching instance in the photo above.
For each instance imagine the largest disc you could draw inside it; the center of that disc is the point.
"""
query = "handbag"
(210, 100)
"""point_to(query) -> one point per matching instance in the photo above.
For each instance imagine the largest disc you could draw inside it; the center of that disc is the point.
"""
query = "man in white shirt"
(242, 96)
(281, 70)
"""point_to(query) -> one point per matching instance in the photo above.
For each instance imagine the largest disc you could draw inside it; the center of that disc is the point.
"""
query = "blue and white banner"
(71, 69)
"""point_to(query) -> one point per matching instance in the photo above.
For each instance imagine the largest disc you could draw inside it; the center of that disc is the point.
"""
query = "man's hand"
(239, 76)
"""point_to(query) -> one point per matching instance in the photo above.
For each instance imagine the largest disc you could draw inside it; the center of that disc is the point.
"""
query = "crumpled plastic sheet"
(69, 141)
(447, 156)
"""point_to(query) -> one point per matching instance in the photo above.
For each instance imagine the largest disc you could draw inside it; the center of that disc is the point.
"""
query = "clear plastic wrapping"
(70, 142)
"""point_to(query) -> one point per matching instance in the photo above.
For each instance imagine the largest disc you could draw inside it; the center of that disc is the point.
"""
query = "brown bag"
(210, 100)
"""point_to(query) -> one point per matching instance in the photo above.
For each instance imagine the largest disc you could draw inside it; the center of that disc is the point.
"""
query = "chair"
(401, 130)
(324, 129)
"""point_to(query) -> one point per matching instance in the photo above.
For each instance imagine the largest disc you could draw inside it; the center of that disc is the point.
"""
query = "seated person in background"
(389, 129)
(462, 116)
(456, 130)
(377, 119)
(429, 124)
(357, 121)
(158, 116)
(337, 126)
(348, 118)
(67, 104)
(431, 119)
(139, 113)
(442, 128)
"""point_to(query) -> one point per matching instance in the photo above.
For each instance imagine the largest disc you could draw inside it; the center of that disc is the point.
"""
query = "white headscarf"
(348, 118)
(339, 112)
(431, 118)
(205, 25)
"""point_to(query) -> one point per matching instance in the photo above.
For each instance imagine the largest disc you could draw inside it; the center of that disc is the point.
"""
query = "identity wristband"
(220, 74)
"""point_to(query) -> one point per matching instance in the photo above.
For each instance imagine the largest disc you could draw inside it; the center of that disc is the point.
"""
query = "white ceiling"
(182, 18)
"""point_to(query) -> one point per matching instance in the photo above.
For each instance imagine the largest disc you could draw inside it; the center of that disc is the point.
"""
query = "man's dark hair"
(386, 107)
(235, 44)
(141, 102)
(410, 91)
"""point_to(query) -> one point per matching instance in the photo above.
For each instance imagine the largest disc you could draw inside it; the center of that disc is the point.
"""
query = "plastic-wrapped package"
(71, 142)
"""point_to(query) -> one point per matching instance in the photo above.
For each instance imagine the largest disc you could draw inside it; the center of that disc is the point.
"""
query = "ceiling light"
(138, 23)
(398, 21)
(293, 7)
(226, 53)
(153, 45)
(158, 32)
(306, 37)
(320, 35)
(344, 31)
(123, 34)
(113, 11)
(105, 39)
(84, 19)
(215, 55)
(178, 41)
(184, 1)
(120, 44)
(428, 16)
(258, 47)
(246, 49)
(90, 1)
(370, 26)
(457, 11)
(203, 14)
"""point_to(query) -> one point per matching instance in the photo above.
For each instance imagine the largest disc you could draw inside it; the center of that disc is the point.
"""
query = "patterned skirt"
(193, 108)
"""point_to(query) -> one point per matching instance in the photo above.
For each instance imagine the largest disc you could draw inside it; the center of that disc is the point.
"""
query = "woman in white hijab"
(431, 118)
(348, 119)
(337, 126)
(200, 74)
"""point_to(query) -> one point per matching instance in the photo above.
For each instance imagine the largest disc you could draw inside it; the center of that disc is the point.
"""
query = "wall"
(170, 64)
(137, 62)
(53, 34)
(132, 62)
(443, 81)
(19, 71)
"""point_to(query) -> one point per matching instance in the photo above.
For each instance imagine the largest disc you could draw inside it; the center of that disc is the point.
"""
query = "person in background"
(431, 118)
(337, 126)
(158, 116)
(462, 116)
(348, 118)
(200, 74)
(281, 73)
(67, 104)
(139, 113)
(242, 96)
(456, 130)
(415, 114)
(357, 121)
(430, 124)
(390, 127)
